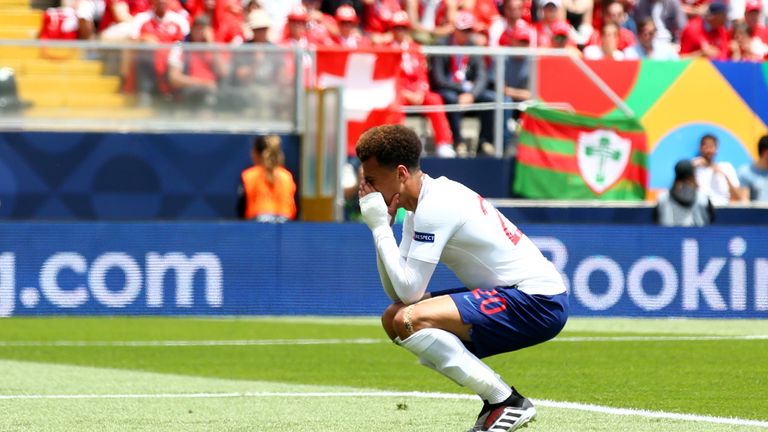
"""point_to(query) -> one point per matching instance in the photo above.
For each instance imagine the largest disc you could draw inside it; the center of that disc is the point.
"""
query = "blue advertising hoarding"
(232, 268)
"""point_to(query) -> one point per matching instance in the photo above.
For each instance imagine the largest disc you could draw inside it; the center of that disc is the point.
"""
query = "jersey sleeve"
(434, 223)
(407, 238)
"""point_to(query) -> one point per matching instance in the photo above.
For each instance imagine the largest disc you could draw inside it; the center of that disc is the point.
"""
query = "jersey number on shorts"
(514, 237)
(491, 303)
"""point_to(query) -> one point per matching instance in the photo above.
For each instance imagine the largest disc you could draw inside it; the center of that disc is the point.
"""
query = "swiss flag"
(369, 82)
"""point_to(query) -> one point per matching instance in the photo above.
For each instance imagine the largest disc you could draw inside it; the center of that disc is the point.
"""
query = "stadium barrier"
(330, 269)
(131, 176)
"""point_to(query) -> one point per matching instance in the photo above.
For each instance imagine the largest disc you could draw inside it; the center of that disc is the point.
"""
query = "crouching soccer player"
(517, 298)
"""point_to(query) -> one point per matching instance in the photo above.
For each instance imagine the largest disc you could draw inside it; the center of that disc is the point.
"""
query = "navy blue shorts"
(506, 319)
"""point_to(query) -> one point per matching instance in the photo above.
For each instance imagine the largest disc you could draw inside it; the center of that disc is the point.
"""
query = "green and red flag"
(569, 156)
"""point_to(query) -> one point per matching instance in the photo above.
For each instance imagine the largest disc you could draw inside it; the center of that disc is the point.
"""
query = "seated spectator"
(349, 34)
(753, 18)
(160, 24)
(377, 17)
(754, 177)
(259, 75)
(296, 28)
(578, 13)
(517, 72)
(744, 47)
(684, 204)
(296, 35)
(667, 16)
(414, 87)
(615, 14)
(226, 17)
(309, 27)
(486, 14)
(193, 76)
(321, 26)
(267, 190)
(648, 45)
(60, 24)
(707, 36)
(561, 38)
(463, 80)
(157, 25)
(695, 8)
(116, 22)
(512, 17)
(88, 13)
(431, 19)
(551, 13)
(717, 179)
(609, 45)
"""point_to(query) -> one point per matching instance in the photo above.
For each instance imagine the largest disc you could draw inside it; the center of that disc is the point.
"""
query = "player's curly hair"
(391, 145)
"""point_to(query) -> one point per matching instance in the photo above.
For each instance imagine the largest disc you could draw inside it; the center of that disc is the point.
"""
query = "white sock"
(444, 352)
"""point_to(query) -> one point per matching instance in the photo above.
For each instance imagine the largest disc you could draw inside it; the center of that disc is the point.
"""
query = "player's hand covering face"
(380, 179)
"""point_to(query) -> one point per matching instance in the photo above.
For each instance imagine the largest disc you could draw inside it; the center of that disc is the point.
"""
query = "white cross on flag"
(369, 82)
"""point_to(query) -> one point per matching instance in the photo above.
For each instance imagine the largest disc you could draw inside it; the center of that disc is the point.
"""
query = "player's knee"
(408, 321)
(388, 319)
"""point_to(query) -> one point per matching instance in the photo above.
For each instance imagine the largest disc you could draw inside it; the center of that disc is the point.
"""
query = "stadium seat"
(17, 32)
(11, 5)
(21, 17)
(58, 81)
(31, 83)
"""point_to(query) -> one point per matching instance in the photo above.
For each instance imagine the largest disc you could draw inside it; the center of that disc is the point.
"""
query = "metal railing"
(265, 104)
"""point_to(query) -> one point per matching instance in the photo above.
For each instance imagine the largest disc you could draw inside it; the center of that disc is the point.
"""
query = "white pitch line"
(191, 343)
(656, 338)
(357, 341)
(422, 395)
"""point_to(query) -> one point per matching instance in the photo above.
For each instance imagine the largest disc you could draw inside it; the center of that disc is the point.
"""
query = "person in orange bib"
(267, 189)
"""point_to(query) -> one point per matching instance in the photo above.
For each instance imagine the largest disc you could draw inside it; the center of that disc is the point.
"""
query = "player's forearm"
(386, 283)
(408, 286)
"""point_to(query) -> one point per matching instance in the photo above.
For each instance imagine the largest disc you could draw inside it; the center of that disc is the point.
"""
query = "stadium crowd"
(594, 29)
(617, 29)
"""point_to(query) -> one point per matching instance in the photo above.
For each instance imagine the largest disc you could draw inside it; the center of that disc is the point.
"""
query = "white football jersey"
(455, 226)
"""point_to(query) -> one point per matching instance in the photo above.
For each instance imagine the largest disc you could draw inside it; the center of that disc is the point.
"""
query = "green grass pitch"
(340, 374)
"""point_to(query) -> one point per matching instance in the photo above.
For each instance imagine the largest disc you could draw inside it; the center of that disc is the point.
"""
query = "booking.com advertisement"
(329, 269)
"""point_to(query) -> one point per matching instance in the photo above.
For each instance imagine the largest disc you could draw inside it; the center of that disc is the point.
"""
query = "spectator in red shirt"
(160, 24)
(744, 47)
(377, 17)
(694, 8)
(226, 18)
(349, 34)
(193, 76)
(413, 84)
(609, 45)
(753, 20)
(118, 15)
(318, 27)
(157, 25)
(706, 36)
(59, 23)
(296, 27)
(615, 14)
(431, 19)
(513, 11)
(551, 13)
(561, 38)
(486, 13)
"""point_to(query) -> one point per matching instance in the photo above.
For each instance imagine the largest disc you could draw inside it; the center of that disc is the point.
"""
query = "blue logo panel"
(236, 268)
